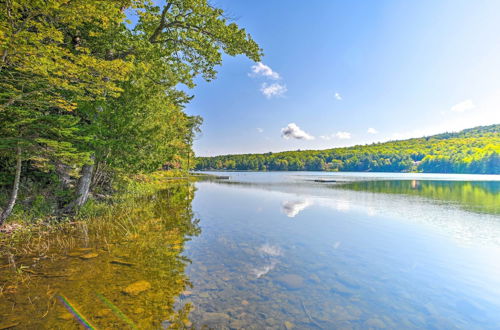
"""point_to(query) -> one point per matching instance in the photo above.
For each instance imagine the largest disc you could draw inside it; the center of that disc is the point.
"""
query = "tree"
(171, 46)
(474, 150)
(80, 87)
(45, 69)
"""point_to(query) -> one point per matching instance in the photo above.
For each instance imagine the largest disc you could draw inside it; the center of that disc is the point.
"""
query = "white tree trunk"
(84, 184)
(13, 196)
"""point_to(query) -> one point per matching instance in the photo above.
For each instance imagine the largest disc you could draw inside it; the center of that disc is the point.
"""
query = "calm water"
(389, 253)
(278, 250)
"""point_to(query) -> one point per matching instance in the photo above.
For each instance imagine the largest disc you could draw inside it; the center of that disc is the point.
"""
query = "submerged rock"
(89, 255)
(74, 254)
(103, 313)
(237, 324)
(288, 325)
(291, 281)
(64, 316)
(214, 317)
(8, 325)
(83, 249)
(341, 289)
(340, 313)
(137, 287)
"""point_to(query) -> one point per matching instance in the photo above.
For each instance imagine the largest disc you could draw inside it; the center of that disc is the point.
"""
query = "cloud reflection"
(292, 208)
(343, 205)
(269, 253)
(271, 250)
(259, 272)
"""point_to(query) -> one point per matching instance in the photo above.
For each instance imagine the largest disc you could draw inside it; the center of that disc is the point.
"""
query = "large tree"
(82, 87)
(48, 64)
(170, 45)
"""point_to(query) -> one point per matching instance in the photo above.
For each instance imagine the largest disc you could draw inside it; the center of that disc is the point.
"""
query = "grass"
(37, 231)
(145, 224)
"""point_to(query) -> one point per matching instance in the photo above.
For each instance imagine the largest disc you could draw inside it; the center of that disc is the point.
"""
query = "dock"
(324, 180)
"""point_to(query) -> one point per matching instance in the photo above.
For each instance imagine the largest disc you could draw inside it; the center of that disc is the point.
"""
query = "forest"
(94, 91)
(474, 150)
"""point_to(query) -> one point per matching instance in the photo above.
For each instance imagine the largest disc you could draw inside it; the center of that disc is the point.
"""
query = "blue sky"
(340, 73)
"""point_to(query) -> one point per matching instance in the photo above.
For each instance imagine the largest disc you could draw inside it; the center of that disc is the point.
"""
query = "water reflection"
(357, 258)
(270, 254)
(259, 272)
(270, 250)
(474, 196)
(122, 270)
(382, 254)
(427, 203)
(292, 208)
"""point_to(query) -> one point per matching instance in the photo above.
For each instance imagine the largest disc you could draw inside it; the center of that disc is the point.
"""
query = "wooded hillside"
(474, 150)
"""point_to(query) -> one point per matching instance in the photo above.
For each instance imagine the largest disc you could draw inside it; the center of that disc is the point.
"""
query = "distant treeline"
(474, 150)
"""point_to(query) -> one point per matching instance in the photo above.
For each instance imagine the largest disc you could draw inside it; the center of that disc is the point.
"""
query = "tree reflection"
(122, 269)
(481, 197)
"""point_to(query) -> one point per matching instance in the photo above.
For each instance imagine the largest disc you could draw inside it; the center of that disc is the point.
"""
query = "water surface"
(275, 250)
(368, 251)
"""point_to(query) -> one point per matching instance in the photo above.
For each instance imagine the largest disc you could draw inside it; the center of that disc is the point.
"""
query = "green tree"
(45, 68)
(170, 45)
(474, 150)
(79, 87)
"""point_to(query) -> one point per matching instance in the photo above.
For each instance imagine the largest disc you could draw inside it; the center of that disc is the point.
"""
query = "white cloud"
(372, 130)
(338, 96)
(343, 135)
(463, 106)
(268, 90)
(293, 131)
(274, 89)
(260, 130)
(260, 69)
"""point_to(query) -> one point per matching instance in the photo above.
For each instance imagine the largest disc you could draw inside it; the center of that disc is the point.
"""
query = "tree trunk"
(63, 171)
(84, 184)
(13, 196)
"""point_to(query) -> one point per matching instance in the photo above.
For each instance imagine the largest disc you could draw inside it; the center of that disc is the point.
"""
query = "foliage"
(49, 60)
(83, 88)
(475, 150)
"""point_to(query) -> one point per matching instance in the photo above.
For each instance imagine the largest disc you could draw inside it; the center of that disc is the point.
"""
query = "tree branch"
(162, 24)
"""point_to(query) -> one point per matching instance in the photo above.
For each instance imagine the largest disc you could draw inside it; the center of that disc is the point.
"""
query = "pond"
(277, 250)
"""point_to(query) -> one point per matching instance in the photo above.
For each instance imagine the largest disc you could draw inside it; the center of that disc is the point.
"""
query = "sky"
(341, 73)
